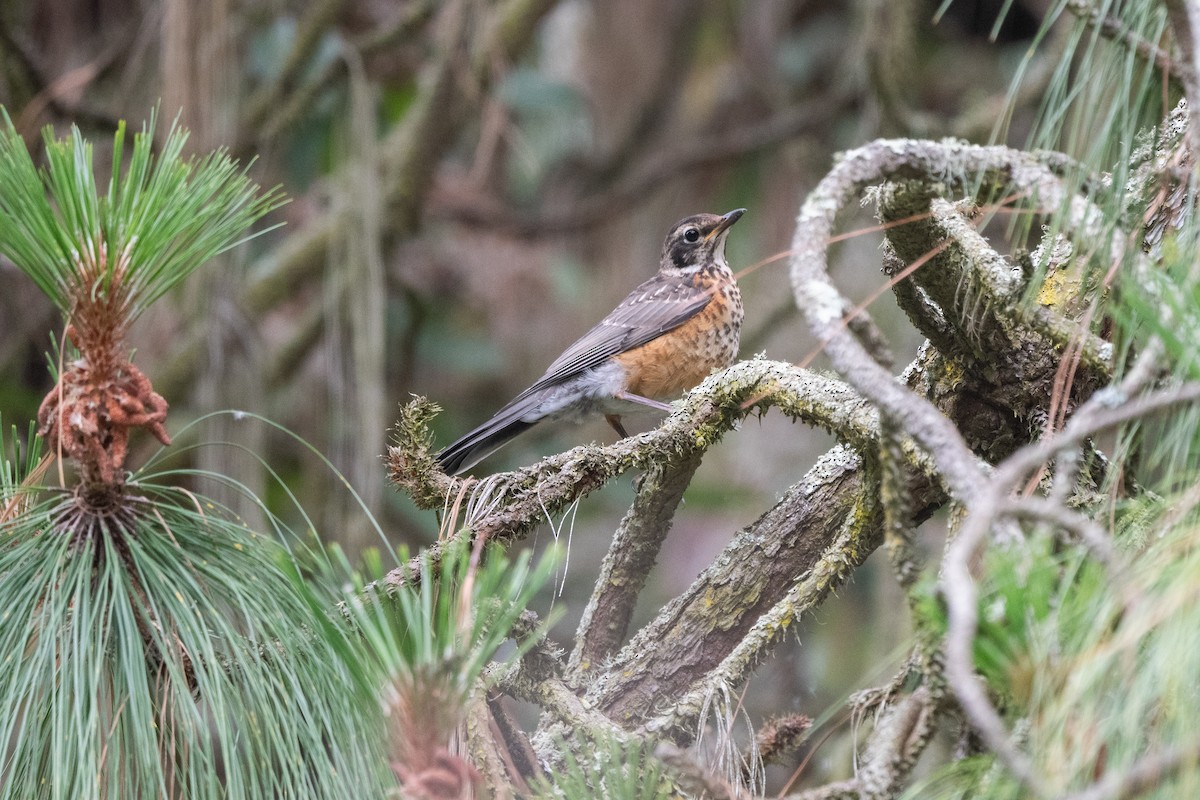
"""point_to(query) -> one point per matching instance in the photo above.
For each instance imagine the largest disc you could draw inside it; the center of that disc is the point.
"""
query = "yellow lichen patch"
(1061, 289)
(952, 372)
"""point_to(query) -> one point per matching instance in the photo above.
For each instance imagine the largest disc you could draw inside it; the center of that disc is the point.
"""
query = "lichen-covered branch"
(856, 538)
(966, 403)
(521, 499)
(537, 678)
(997, 313)
(630, 558)
(484, 748)
(945, 167)
(696, 631)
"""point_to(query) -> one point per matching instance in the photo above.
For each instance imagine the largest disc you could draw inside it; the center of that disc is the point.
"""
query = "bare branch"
(1147, 773)
(1185, 20)
(1116, 30)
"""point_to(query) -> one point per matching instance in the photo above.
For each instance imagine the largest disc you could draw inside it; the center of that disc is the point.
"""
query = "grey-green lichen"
(850, 548)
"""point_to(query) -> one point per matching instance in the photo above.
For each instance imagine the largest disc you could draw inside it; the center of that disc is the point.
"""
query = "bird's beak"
(726, 221)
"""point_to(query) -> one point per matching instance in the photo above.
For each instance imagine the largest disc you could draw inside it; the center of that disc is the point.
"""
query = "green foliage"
(1095, 670)
(967, 779)
(18, 460)
(1102, 93)
(423, 647)
(609, 768)
(1163, 452)
(1101, 97)
(452, 616)
(1020, 594)
(153, 225)
(162, 650)
(1123, 683)
(1178, 328)
(1023, 610)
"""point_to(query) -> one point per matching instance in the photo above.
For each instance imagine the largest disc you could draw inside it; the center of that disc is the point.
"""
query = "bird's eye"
(691, 235)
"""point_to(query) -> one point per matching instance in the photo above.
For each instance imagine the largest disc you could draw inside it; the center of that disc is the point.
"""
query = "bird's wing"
(653, 308)
(650, 310)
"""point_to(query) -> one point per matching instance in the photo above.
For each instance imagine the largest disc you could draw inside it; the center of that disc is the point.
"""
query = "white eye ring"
(691, 235)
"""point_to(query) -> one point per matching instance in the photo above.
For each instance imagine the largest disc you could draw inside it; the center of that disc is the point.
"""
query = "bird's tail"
(471, 448)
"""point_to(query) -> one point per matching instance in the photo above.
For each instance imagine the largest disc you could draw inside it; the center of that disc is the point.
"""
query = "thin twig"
(1185, 19)
(1116, 30)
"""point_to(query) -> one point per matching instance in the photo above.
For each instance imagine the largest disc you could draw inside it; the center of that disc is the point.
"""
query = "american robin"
(664, 338)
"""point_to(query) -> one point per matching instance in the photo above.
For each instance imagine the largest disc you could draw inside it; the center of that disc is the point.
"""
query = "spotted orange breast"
(666, 367)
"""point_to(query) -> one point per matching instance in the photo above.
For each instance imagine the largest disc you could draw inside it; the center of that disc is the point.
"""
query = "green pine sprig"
(154, 224)
(453, 617)
(164, 650)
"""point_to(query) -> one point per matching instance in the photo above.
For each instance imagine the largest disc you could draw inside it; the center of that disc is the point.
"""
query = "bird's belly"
(666, 367)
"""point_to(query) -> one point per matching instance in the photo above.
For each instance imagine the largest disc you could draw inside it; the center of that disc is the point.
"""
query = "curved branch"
(956, 167)
(699, 421)
(1106, 409)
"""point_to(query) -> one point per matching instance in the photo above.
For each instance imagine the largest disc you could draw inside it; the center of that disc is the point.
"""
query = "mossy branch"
(523, 497)
(942, 168)
(856, 538)
(630, 558)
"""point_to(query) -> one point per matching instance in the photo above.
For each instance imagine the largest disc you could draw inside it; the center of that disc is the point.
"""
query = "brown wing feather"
(653, 308)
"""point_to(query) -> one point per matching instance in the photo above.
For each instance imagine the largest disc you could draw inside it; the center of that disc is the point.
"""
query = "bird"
(664, 338)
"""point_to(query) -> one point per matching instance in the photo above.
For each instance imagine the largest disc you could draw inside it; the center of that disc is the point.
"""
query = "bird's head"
(696, 241)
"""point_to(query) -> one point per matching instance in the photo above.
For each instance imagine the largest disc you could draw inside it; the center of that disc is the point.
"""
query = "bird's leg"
(615, 421)
(645, 401)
